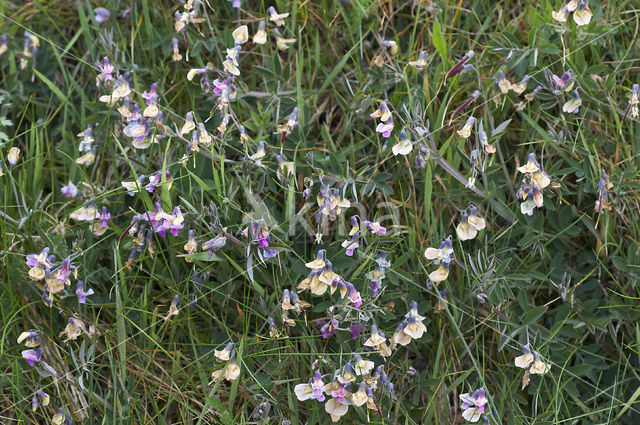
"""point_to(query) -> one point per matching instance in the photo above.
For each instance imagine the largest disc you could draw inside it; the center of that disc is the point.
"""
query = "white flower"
(241, 34)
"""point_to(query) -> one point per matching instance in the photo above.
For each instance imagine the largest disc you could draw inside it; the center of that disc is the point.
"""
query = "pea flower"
(120, 90)
(101, 226)
(533, 360)
(465, 131)
(235, 3)
(39, 264)
(502, 83)
(356, 330)
(521, 86)
(75, 327)
(175, 48)
(312, 390)
(382, 112)
(81, 293)
(32, 356)
(329, 328)
(291, 301)
(400, 337)
(441, 254)
(582, 15)
(415, 328)
(170, 222)
(354, 295)
(188, 125)
(404, 146)
(421, 62)
(281, 42)
(440, 274)
(634, 100)
(224, 354)
(561, 15)
(564, 82)
(70, 190)
(31, 338)
(360, 397)
(13, 156)
(362, 366)
(101, 15)
(241, 34)
(375, 227)
(470, 225)
(173, 307)
(65, 271)
(376, 339)
(260, 37)
(276, 17)
(233, 370)
(473, 405)
(351, 245)
(573, 105)
(212, 245)
(39, 394)
(339, 403)
(106, 72)
(3, 43)
(385, 128)
(604, 185)
(572, 5)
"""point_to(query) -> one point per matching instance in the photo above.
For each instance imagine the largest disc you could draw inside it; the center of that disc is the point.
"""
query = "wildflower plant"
(302, 212)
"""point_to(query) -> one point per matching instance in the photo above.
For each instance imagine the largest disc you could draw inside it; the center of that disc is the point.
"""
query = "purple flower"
(235, 3)
(351, 245)
(70, 190)
(151, 95)
(172, 222)
(43, 259)
(31, 338)
(105, 216)
(329, 329)
(32, 356)
(375, 227)
(102, 14)
(106, 71)
(66, 269)
(385, 128)
(80, 292)
(356, 329)
(354, 295)
(473, 405)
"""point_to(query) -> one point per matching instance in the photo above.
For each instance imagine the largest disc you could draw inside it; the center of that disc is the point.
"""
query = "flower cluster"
(473, 405)
(322, 277)
(162, 222)
(442, 256)
(534, 182)
(532, 361)
(385, 127)
(377, 275)
(257, 232)
(231, 370)
(351, 385)
(470, 225)
(331, 203)
(581, 13)
(410, 328)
